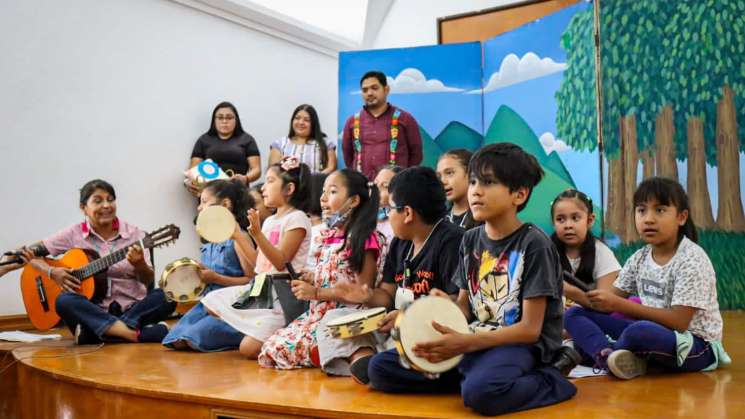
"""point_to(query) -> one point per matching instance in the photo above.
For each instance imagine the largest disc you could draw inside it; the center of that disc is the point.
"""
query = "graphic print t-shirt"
(500, 274)
(432, 267)
(688, 279)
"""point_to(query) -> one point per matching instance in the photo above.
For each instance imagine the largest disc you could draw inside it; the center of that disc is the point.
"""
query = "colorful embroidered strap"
(392, 146)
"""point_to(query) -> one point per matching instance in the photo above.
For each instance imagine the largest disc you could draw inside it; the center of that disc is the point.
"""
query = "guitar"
(40, 292)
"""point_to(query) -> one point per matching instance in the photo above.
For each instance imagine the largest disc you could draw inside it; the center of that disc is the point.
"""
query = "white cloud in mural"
(551, 143)
(515, 70)
(412, 80)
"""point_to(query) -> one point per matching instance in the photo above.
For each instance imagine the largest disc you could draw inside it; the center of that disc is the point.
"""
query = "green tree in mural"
(631, 98)
(704, 70)
(666, 65)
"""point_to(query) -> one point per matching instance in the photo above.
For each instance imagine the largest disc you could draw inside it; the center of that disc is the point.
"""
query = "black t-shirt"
(464, 220)
(500, 274)
(229, 154)
(433, 267)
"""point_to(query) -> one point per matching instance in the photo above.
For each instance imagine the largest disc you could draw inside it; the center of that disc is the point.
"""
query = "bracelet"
(49, 272)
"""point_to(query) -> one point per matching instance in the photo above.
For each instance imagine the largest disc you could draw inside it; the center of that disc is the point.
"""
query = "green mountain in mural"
(507, 125)
(458, 135)
(430, 150)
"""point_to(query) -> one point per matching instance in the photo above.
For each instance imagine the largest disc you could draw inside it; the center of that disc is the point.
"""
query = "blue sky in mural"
(530, 62)
(457, 67)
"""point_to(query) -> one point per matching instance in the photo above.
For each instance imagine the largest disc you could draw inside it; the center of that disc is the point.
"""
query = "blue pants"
(203, 332)
(492, 382)
(75, 309)
(645, 338)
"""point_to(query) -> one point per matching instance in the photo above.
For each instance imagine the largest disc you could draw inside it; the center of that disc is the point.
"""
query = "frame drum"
(414, 325)
(215, 224)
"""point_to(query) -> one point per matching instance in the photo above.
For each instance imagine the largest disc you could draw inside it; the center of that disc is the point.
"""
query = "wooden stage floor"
(58, 380)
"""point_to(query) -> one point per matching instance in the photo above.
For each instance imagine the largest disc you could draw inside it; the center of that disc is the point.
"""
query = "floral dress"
(290, 347)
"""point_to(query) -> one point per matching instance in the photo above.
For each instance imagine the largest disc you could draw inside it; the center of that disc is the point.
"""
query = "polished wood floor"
(60, 380)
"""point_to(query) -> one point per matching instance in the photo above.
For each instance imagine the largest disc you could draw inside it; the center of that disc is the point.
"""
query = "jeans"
(75, 309)
(493, 381)
(203, 332)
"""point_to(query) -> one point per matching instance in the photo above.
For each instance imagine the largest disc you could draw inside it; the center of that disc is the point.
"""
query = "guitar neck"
(100, 265)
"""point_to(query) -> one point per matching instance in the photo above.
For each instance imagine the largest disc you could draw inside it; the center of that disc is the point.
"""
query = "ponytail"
(363, 219)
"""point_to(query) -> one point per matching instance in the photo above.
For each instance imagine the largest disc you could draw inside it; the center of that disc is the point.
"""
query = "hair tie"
(288, 163)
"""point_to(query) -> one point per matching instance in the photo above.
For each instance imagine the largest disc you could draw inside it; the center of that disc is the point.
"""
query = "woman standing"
(234, 150)
(306, 141)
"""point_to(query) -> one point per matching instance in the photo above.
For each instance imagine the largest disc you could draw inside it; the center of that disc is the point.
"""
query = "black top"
(500, 274)
(229, 154)
(464, 220)
(433, 267)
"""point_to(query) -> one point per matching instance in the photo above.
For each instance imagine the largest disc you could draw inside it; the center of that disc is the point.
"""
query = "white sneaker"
(625, 365)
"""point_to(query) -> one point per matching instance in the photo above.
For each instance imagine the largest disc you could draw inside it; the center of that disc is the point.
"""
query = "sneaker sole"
(625, 365)
(358, 369)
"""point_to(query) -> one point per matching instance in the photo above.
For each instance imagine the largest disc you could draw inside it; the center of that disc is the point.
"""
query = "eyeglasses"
(225, 117)
(398, 208)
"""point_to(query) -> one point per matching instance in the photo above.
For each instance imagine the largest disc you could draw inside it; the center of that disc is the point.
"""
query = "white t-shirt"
(688, 279)
(605, 261)
(274, 228)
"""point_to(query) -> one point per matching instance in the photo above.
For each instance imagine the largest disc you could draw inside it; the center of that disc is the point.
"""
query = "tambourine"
(205, 172)
(180, 281)
(414, 325)
(215, 224)
(356, 324)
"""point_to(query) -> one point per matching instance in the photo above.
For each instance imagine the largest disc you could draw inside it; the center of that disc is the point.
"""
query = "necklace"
(409, 257)
(462, 223)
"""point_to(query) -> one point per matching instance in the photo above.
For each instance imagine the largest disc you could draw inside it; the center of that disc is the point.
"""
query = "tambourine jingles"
(414, 325)
(356, 324)
(180, 281)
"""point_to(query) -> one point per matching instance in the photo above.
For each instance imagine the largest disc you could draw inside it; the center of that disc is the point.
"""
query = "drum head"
(215, 224)
(180, 281)
(416, 327)
(349, 318)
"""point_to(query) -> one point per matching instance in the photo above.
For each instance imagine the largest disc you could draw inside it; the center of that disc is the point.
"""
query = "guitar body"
(40, 292)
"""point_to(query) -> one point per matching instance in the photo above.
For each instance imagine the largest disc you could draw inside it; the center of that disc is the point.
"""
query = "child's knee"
(640, 332)
(379, 367)
(250, 347)
(485, 399)
(573, 313)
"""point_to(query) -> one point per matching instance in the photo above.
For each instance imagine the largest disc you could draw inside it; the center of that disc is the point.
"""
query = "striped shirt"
(307, 153)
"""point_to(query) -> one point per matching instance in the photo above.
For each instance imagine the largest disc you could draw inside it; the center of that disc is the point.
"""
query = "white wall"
(121, 90)
(413, 23)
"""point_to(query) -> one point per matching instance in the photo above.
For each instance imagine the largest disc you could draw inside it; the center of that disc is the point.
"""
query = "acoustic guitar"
(40, 292)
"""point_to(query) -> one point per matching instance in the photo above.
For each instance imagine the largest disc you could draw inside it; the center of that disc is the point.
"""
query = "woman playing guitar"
(127, 311)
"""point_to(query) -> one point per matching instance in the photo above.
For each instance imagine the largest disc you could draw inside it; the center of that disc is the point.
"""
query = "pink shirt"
(123, 285)
(275, 228)
(375, 136)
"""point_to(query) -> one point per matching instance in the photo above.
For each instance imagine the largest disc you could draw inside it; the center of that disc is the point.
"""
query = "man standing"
(380, 134)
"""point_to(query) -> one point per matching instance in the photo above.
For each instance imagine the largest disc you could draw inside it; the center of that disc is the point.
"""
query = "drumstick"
(291, 270)
(573, 280)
